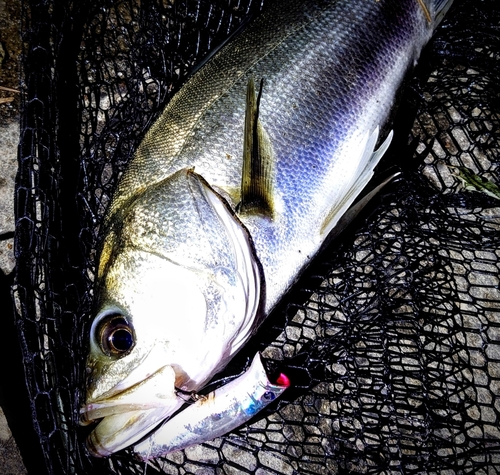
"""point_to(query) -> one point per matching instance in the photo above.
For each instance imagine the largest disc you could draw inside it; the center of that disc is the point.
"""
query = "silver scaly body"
(194, 255)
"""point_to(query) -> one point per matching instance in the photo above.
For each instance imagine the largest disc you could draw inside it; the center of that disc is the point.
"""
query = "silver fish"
(231, 194)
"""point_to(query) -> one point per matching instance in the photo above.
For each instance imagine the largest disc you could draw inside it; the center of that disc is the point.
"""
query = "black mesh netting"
(392, 339)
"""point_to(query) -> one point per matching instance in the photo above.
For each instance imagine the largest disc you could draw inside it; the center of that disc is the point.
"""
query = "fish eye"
(115, 335)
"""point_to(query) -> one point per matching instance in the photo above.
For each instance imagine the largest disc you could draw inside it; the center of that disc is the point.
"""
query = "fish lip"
(131, 398)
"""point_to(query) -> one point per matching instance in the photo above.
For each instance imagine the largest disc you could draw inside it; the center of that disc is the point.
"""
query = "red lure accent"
(283, 380)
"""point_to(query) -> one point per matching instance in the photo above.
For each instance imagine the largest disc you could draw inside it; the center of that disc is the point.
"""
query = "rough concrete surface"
(10, 51)
(11, 462)
(9, 136)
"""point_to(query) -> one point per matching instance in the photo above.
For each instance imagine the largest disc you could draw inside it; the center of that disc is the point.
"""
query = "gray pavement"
(11, 462)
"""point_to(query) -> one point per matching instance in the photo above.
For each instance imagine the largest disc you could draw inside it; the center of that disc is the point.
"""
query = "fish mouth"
(150, 393)
(123, 416)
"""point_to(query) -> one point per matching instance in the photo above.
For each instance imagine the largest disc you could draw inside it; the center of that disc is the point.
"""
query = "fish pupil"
(115, 335)
(121, 340)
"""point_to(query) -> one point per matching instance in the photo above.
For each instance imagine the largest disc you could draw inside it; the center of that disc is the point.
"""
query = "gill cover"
(184, 222)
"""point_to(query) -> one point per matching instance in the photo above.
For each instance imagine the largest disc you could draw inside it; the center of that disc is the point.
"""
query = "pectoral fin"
(258, 160)
(368, 160)
(362, 200)
(440, 8)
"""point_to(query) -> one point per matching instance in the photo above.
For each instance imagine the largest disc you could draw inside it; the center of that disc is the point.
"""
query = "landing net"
(391, 340)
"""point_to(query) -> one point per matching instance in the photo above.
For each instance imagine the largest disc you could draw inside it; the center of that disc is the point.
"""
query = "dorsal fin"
(258, 159)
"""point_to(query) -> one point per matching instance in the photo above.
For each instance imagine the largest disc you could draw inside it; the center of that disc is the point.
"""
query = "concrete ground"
(11, 462)
(10, 50)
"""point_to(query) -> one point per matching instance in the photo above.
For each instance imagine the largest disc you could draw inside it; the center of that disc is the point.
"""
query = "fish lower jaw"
(95, 448)
(101, 448)
(126, 415)
(103, 444)
(117, 426)
(118, 431)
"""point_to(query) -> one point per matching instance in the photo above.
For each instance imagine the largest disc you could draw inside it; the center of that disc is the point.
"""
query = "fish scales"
(316, 64)
(192, 260)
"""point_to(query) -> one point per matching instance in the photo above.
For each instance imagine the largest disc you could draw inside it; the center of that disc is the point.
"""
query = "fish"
(231, 194)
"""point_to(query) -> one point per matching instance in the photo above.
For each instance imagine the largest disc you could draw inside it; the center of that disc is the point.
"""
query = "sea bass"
(231, 194)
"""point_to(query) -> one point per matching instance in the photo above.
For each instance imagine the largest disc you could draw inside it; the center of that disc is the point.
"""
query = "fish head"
(178, 293)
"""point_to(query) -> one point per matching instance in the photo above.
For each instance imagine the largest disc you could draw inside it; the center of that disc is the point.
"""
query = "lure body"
(217, 413)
